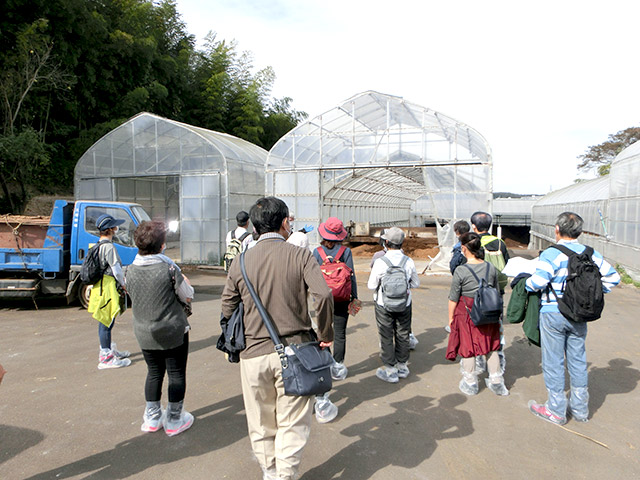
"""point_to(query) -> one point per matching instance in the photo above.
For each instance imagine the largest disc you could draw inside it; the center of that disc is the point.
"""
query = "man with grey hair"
(393, 308)
(561, 337)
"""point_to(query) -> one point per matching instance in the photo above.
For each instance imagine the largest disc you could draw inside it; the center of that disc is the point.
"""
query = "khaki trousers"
(279, 425)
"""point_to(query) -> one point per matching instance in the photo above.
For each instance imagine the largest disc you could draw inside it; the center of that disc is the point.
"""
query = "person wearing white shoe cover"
(159, 291)
(325, 410)
(393, 315)
(282, 275)
(331, 250)
(104, 301)
(466, 339)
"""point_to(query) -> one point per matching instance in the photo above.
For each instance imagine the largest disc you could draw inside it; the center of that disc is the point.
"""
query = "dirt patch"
(414, 247)
(514, 243)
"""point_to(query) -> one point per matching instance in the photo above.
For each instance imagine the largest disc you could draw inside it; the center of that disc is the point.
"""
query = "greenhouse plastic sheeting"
(371, 158)
(609, 206)
(176, 172)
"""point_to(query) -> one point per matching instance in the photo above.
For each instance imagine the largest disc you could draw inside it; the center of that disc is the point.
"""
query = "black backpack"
(582, 296)
(91, 270)
(487, 303)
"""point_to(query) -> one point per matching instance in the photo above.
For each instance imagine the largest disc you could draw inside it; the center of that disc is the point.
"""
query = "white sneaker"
(119, 353)
(176, 422)
(403, 370)
(152, 419)
(413, 341)
(388, 374)
(339, 371)
(109, 360)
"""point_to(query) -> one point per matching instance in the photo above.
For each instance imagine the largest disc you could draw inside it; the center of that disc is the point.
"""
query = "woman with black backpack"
(466, 339)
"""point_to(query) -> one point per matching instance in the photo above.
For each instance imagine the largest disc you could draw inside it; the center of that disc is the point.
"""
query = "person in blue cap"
(113, 279)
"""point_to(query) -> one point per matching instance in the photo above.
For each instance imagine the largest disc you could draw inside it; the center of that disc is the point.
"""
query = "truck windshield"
(140, 214)
(124, 235)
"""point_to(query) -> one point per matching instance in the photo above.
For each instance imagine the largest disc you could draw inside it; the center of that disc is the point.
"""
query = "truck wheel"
(84, 294)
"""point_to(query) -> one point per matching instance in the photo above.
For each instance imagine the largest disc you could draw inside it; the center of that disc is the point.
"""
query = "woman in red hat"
(333, 258)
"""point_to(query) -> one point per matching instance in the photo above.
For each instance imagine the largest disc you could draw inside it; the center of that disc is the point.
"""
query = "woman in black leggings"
(158, 291)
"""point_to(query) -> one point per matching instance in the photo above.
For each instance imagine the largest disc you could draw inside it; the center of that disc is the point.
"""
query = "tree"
(599, 157)
(22, 158)
(280, 119)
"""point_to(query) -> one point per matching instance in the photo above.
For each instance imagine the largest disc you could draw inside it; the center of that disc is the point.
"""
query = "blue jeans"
(104, 334)
(560, 337)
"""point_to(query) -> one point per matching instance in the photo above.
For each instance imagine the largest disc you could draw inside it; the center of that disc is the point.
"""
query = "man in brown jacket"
(281, 274)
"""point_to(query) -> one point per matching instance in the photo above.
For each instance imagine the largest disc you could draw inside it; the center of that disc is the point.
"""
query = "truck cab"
(85, 234)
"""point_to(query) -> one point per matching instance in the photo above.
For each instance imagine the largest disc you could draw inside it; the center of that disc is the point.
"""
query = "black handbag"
(231, 341)
(306, 368)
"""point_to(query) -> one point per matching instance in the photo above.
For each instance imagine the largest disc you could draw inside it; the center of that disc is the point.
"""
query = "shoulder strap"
(486, 273)
(322, 253)
(567, 251)
(387, 261)
(273, 333)
(243, 236)
(341, 250)
(403, 262)
(472, 272)
(233, 234)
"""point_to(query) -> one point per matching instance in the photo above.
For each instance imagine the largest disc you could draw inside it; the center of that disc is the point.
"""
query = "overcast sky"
(541, 81)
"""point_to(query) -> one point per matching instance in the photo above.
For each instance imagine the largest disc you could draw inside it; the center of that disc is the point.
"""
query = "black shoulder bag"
(305, 371)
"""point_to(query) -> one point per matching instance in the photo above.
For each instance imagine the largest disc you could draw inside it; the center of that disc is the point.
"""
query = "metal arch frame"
(344, 127)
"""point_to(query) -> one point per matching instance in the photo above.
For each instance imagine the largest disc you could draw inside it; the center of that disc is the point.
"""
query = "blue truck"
(43, 255)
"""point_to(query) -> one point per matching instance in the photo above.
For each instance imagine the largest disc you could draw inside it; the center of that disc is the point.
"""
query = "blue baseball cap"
(106, 221)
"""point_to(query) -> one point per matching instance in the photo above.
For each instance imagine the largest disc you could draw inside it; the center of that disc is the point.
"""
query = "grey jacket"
(159, 321)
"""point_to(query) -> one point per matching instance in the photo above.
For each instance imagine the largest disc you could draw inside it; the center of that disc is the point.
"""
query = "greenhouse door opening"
(160, 197)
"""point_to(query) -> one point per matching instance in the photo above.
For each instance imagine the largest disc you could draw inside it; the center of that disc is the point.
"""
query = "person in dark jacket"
(158, 291)
(457, 257)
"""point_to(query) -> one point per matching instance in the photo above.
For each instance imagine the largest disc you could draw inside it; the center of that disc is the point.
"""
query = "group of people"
(285, 273)
(159, 292)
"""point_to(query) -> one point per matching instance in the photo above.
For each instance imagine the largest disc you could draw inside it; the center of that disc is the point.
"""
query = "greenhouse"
(610, 207)
(177, 172)
(380, 159)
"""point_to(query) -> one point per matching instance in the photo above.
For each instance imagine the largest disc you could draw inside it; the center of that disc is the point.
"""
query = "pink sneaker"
(540, 410)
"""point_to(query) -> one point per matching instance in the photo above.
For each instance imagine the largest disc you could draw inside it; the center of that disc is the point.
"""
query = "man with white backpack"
(392, 276)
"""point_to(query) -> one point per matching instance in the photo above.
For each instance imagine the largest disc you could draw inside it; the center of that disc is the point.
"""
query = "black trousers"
(394, 329)
(340, 318)
(174, 363)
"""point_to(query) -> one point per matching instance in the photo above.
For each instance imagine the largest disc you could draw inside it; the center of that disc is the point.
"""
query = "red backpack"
(337, 275)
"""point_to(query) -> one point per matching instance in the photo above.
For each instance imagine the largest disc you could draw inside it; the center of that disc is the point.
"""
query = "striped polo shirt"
(551, 268)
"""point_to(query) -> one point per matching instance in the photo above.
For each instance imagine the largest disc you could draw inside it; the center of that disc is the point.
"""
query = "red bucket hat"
(332, 230)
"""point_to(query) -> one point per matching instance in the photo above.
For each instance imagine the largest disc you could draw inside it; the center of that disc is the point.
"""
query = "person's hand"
(2, 372)
(308, 228)
(325, 344)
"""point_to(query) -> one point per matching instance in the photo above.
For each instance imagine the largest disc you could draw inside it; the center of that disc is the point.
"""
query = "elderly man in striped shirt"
(560, 336)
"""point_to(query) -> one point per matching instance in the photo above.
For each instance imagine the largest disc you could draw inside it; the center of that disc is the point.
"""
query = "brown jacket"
(281, 274)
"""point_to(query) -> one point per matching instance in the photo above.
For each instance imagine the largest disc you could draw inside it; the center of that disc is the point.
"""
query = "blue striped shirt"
(551, 268)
